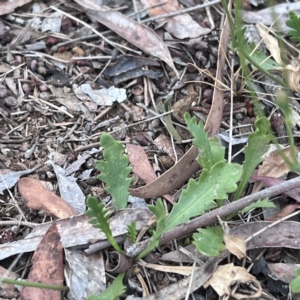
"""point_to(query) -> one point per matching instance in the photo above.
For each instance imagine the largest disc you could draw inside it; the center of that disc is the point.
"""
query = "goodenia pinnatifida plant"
(216, 181)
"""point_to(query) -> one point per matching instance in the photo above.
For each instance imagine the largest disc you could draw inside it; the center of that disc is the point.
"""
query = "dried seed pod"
(43, 88)
(10, 101)
(33, 65)
(52, 41)
(62, 49)
(207, 93)
(78, 51)
(4, 92)
(27, 107)
(138, 93)
(42, 70)
(45, 96)
(155, 123)
(26, 88)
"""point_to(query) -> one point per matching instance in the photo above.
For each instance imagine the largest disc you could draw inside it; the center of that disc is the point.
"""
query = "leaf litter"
(65, 81)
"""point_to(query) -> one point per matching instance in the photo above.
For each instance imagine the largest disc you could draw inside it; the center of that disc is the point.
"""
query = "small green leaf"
(99, 217)
(209, 241)
(199, 196)
(159, 211)
(114, 291)
(258, 144)
(295, 283)
(294, 23)
(169, 124)
(132, 232)
(260, 58)
(210, 149)
(114, 170)
(259, 204)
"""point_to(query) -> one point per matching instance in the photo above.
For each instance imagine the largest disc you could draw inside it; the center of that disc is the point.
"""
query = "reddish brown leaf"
(40, 198)
(141, 166)
(47, 267)
(140, 163)
(171, 179)
(215, 116)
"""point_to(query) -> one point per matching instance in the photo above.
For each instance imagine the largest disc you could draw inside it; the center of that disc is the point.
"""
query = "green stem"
(35, 284)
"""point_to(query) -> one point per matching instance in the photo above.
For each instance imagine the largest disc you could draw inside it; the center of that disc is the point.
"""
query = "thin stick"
(52, 105)
(231, 114)
(228, 209)
(272, 225)
(180, 12)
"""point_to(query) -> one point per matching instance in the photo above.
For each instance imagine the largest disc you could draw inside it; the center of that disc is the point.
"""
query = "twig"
(228, 209)
(180, 12)
(19, 223)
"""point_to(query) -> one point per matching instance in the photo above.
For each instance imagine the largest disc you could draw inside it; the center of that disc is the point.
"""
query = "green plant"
(294, 23)
(114, 171)
(115, 290)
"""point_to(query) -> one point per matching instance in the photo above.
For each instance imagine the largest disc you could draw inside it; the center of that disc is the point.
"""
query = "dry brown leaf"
(40, 198)
(284, 234)
(164, 143)
(224, 276)
(47, 267)
(274, 165)
(235, 245)
(9, 6)
(215, 115)
(171, 179)
(287, 210)
(137, 34)
(141, 166)
(182, 26)
(140, 163)
(270, 41)
(283, 272)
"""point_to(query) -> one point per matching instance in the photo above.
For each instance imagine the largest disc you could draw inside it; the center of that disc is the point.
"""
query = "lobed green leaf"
(258, 144)
(210, 149)
(114, 170)
(159, 211)
(294, 23)
(114, 291)
(209, 241)
(199, 196)
(132, 232)
(259, 204)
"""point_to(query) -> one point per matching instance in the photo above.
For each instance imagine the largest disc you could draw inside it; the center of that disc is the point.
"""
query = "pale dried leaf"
(235, 245)
(271, 43)
(224, 276)
(274, 164)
